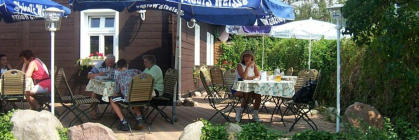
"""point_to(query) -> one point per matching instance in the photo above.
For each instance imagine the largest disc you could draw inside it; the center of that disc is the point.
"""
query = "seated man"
(123, 78)
(103, 68)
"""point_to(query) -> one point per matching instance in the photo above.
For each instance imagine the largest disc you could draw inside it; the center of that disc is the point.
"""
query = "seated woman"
(247, 70)
(123, 78)
(4, 65)
(37, 77)
(155, 72)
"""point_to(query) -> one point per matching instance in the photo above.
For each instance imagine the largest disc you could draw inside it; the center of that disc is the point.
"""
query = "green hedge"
(400, 130)
(6, 127)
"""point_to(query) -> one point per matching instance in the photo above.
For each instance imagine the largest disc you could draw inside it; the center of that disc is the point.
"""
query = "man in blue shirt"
(103, 68)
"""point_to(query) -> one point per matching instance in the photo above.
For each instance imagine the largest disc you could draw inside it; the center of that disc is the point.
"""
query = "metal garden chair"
(217, 81)
(218, 103)
(301, 108)
(65, 96)
(303, 78)
(169, 96)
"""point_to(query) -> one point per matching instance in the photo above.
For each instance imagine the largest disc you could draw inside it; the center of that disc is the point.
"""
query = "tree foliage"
(388, 76)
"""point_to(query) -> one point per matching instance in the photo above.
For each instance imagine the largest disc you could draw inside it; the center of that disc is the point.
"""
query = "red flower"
(91, 55)
(100, 54)
(225, 62)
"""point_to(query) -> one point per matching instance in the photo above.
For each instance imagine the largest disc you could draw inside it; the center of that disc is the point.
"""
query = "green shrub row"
(401, 130)
(6, 126)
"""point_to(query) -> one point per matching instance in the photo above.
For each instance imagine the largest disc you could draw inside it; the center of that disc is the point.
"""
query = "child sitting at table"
(123, 78)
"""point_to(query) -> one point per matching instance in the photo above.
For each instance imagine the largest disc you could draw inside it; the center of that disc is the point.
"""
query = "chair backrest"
(13, 82)
(229, 78)
(204, 83)
(62, 88)
(315, 74)
(141, 88)
(303, 77)
(217, 78)
(289, 71)
(170, 81)
(206, 72)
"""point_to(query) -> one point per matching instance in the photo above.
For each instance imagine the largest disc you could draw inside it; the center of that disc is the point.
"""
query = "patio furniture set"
(12, 87)
(290, 92)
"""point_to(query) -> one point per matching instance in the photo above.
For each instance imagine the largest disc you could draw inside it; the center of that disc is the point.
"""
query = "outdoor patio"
(160, 129)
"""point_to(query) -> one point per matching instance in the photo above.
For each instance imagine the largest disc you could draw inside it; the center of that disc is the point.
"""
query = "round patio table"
(277, 90)
(271, 88)
(101, 87)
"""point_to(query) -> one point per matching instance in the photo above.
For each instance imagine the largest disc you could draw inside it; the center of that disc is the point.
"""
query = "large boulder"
(233, 130)
(91, 131)
(358, 114)
(192, 131)
(34, 125)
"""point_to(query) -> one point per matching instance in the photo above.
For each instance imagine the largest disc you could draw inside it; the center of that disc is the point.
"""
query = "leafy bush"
(314, 135)
(406, 130)
(257, 131)
(370, 133)
(6, 126)
(63, 133)
(388, 132)
(250, 131)
(388, 74)
(213, 132)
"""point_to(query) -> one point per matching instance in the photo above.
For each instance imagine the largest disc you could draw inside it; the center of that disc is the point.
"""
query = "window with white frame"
(197, 45)
(99, 29)
(210, 49)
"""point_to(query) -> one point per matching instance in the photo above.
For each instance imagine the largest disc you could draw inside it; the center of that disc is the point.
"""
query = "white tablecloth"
(289, 78)
(271, 88)
(104, 88)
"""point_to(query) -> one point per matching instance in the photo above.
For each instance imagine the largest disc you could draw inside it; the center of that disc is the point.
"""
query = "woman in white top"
(247, 70)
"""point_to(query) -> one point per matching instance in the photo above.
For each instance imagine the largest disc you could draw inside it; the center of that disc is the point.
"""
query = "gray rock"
(359, 113)
(232, 131)
(192, 131)
(34, 125)
(91, 131)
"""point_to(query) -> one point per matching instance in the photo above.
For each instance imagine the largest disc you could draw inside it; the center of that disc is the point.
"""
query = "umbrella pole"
(309, 54)
(263, 50)
(179, 60)
(338, 78)
(52, 74)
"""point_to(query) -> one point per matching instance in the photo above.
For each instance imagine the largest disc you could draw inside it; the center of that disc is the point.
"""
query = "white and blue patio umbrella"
(24, 10)
(308, 29)
(255, 12)
(27, 10)
(217, 12)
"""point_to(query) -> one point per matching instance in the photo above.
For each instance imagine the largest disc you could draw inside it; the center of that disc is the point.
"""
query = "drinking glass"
(278, 78)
